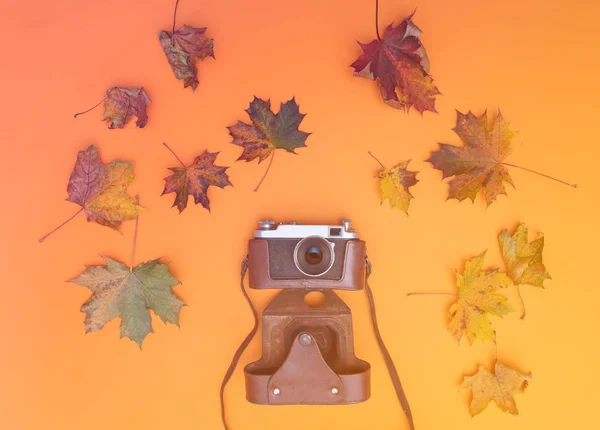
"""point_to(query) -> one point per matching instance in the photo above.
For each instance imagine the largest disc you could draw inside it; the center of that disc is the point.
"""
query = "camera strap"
(243, 345)
(384, 351)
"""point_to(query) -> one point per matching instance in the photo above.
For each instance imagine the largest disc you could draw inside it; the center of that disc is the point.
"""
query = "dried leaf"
(400, 66)
(195, 179)
(101, 190)
(269, 131)
(129, 294)
(476, 298)
(394, 184)
(500, 387)
(121, 104)
(523, 259)
(183, 48)
(478, 164)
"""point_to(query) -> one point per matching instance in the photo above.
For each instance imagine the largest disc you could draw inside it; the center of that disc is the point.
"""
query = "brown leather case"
(353, 273)
(318, 369)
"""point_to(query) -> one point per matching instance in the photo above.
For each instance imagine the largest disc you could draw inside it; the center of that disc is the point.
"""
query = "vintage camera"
(307, 349)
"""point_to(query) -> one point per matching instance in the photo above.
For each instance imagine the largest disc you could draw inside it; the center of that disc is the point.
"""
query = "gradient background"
(536, 60)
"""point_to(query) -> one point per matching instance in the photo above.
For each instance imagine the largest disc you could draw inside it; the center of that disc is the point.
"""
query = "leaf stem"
(432, 294)
(375, 158)
(376, 19)
(44, 238)
(267, 171)
(541, 174)
(137, 221)
(175, 15)
(173, 152)
(522, 302)
(90, 109)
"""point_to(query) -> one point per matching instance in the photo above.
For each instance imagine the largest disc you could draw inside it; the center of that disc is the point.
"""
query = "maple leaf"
(182, 48)
(195, 179)
(523, 259)
(129, 294)
(399, 64)
(476, 298)
(121, 104)
(269, 131)
(394, 184)
(101, 190)
(479, 164)
(500, 386)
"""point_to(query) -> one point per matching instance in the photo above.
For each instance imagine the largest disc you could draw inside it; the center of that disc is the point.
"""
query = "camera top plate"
(271, 230)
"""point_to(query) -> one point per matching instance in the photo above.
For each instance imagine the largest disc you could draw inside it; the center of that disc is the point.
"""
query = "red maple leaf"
(399, 64)
(195, 179)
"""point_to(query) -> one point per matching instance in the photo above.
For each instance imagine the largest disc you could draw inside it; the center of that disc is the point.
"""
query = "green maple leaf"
(269, 131)
(129, 293)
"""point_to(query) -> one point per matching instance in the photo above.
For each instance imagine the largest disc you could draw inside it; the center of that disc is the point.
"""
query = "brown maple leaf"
(269, 131)
(183, 48)
(500, 386)
(399, 64)
(121, 104)
(101, 190)
(195, 179)
(479, 164)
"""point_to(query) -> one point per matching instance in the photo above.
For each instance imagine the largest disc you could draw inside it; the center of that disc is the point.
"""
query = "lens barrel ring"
(314, 255)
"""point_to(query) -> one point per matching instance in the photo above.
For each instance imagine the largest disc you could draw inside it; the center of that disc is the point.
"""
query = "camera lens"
(314, 255)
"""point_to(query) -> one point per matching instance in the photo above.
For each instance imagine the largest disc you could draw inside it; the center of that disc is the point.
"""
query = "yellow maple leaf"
(476, 298)
(523, 259)
(112, 205)
(500, 387)
(394, 184)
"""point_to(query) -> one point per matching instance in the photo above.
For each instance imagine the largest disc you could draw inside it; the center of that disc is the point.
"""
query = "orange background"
(536, 60)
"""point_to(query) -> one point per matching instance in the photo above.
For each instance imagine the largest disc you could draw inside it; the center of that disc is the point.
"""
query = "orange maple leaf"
(479, 164)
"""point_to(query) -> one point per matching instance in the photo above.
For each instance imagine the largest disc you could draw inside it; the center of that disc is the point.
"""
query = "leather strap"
(242, 347)
(386, 355)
